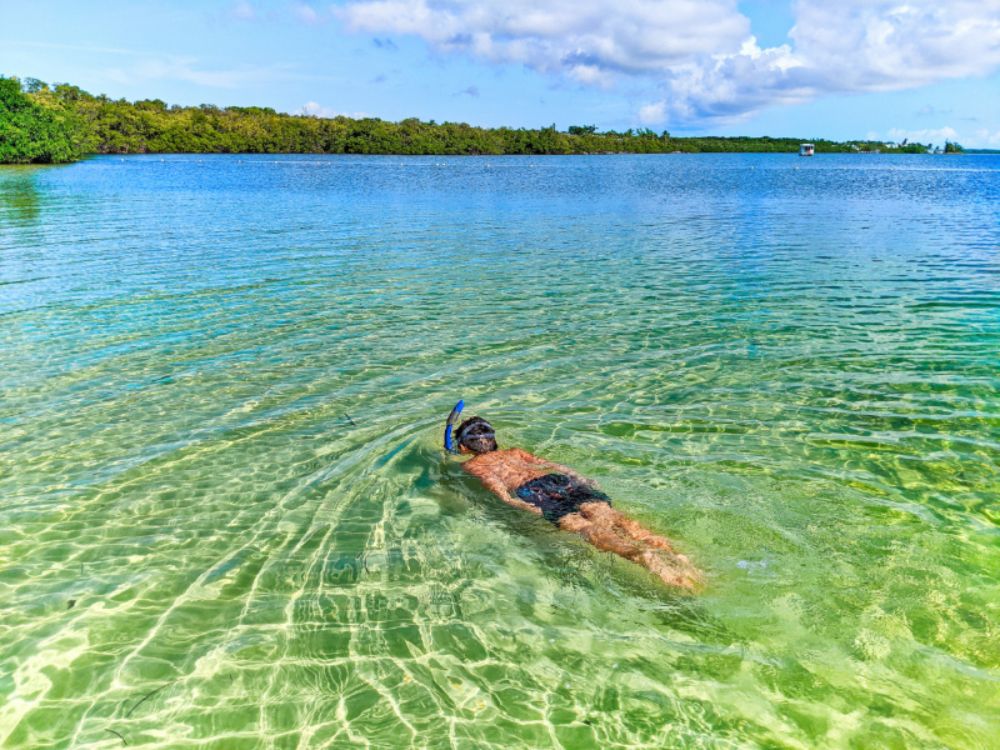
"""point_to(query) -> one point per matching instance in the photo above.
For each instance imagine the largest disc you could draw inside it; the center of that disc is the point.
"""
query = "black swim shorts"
(558, 495)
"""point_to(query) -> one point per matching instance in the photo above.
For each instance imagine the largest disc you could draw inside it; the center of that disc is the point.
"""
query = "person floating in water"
(565, 498)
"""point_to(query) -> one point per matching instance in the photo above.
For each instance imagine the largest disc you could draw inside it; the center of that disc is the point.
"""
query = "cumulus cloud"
(880, 46)
(586, 39)
(850, 46)
(729, 86)
(701, 54)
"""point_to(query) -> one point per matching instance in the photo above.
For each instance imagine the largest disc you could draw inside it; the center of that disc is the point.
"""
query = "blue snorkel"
(452, 418)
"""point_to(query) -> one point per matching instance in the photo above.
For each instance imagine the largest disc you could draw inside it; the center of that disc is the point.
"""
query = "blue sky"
(809, 68)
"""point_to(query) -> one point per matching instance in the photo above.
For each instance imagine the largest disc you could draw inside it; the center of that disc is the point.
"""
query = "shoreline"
(88, 157)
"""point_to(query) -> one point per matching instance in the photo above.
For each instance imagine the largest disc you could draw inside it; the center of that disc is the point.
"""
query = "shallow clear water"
(225, 520)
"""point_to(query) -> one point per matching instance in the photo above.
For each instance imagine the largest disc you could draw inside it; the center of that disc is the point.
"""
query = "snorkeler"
(564, 498)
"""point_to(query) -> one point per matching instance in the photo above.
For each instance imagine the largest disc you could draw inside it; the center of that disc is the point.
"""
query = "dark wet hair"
(477, 435)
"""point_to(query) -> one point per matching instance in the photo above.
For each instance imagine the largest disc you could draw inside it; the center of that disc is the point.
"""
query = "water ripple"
(226, 521)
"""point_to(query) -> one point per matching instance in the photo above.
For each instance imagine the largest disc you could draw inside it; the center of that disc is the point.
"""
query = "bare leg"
(609, 530)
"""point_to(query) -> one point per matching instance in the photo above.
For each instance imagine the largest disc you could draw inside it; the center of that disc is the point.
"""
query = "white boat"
(807, 149)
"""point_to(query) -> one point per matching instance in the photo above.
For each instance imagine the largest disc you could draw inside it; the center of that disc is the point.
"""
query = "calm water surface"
(225, 521)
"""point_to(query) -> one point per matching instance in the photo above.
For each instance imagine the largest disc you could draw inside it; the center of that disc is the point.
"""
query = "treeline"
(78, 123)
(30, 132)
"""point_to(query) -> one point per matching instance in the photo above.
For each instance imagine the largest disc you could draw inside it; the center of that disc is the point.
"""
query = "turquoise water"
(225, 521)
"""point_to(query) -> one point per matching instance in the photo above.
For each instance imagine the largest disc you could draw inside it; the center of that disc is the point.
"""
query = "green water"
(225, 520)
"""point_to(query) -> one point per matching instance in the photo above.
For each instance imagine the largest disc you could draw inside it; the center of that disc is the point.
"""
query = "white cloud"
(987, 139)
(585, 39)
(651, 114)
(851, 46)
(315, 109)
(879, 46)
(923, 135)
(729, 86)
(701, 54)
(979, 138)
(591, 75)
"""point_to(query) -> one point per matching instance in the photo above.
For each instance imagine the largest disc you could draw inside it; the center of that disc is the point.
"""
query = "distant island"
(60, 123)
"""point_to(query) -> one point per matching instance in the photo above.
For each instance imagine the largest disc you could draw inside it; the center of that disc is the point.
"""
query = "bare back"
(510, 468)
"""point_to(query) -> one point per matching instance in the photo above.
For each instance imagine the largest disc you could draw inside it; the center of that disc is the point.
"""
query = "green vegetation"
(33, 133)
(953, 148)
(61, 122)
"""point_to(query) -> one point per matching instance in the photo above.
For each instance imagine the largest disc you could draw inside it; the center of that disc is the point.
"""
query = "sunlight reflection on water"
(226, 521)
